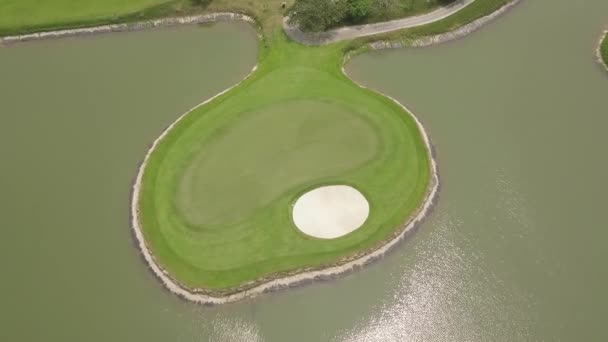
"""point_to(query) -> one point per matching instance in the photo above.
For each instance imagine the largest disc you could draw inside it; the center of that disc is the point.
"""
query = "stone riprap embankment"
(448, 36)
(136, 26)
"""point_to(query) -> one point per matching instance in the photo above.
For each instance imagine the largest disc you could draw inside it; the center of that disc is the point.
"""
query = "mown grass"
(217, 192)
(604, 49)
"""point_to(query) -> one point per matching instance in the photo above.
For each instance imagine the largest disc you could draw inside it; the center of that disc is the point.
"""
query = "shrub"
(359, 9)
(317, 15)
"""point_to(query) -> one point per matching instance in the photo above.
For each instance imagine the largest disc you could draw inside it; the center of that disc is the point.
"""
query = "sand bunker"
(331, 211)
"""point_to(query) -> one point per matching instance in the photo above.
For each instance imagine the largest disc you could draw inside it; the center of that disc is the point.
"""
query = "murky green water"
(515, 250)
(76, 117)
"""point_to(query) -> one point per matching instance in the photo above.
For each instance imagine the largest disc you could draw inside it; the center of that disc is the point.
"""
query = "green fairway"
(218, 190)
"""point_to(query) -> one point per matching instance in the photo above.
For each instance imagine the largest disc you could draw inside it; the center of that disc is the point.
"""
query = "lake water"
(514, 251)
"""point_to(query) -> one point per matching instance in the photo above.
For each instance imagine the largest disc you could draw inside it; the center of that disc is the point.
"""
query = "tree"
(318, 15)
(359, 9)
(384, 7)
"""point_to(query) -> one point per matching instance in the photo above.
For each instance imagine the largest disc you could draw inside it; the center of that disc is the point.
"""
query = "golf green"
(218, 189)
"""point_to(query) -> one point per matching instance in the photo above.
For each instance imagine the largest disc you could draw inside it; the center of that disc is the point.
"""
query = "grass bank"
(401, 9)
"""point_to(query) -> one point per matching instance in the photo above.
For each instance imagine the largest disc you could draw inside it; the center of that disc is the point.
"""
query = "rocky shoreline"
(448, 36)
(136, 26)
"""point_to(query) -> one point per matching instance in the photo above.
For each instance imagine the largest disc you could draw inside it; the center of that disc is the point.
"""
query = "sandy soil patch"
(329, 212)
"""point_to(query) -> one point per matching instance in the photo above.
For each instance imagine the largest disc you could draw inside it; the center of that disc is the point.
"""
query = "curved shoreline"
(283, 279)
(300, 277)
(598, 50)
(460, 32)
(278, 280)
(128, 27)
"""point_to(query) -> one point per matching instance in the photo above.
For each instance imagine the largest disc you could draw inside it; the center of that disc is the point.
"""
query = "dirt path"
(350, 32)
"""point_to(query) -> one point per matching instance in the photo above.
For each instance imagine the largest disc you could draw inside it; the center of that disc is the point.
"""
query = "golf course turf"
(218, 189)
